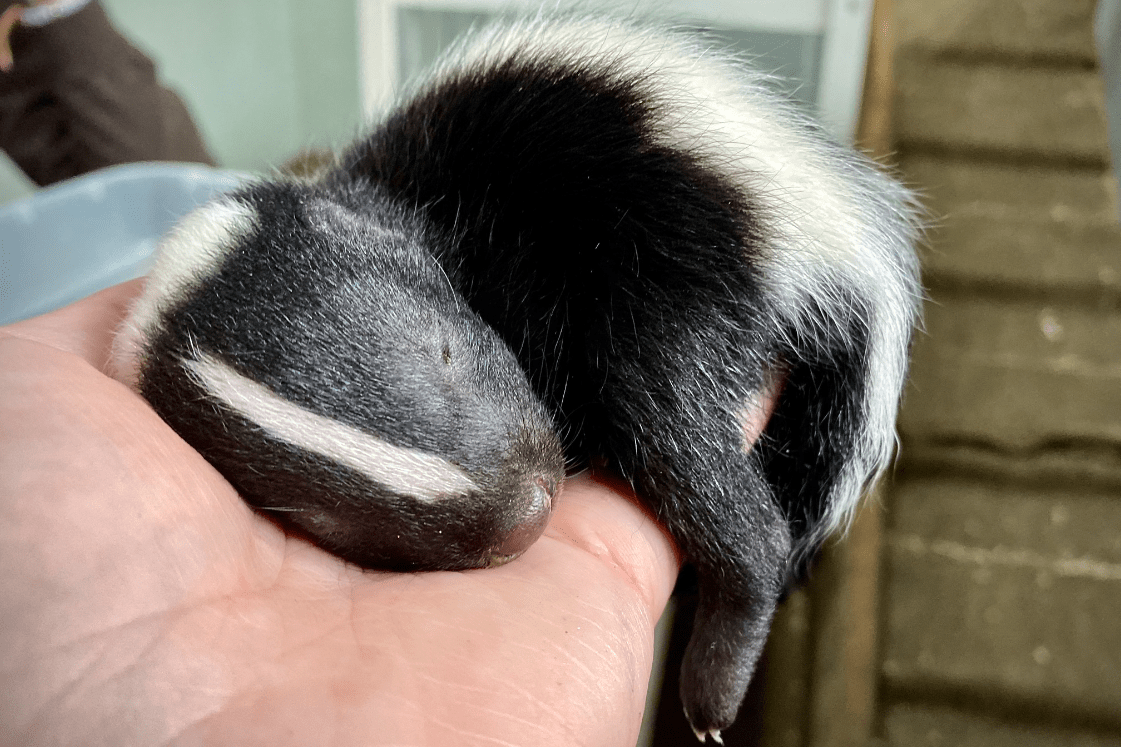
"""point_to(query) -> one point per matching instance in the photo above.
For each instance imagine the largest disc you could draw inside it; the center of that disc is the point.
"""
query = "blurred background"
(977, 600)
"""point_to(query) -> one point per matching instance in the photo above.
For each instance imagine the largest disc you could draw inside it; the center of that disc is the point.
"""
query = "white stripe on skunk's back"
(193, 249)
(404, 471)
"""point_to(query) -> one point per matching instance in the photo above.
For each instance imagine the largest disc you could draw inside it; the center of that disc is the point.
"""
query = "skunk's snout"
(542, 490)
(546, 488)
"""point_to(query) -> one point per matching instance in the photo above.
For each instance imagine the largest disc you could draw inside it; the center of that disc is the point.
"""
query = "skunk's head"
(306, 342)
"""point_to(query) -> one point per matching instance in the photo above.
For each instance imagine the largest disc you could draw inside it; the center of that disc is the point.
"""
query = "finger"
(554, 644)
(600, 515)
(84, 328)
(8, 20)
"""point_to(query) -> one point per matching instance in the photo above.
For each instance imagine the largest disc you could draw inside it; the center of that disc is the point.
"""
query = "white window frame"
(843, 24)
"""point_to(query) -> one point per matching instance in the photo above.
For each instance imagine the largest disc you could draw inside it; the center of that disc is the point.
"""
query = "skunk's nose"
(545, 489)
(542, 490)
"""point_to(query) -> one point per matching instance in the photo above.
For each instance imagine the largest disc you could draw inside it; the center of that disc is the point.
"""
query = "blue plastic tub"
(79, 236)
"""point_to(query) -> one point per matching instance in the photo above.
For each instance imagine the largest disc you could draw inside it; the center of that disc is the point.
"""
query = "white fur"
(405, 471)
(193, 249)
(830, 219)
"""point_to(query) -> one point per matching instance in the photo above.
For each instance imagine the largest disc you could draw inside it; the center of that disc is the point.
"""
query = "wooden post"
(845, 591)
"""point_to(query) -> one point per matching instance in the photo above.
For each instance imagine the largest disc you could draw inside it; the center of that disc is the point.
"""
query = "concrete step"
(1005, 592)
(1015, 374)
(1035, 29)
(993, 110)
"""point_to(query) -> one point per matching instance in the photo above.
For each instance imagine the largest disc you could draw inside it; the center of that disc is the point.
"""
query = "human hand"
(142, 602)
(9, 17)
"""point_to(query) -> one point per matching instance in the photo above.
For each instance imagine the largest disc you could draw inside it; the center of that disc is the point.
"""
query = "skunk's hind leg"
(682, 443)
(728, 526)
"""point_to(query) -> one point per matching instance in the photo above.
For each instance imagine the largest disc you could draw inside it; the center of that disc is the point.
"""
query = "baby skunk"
(580, 221)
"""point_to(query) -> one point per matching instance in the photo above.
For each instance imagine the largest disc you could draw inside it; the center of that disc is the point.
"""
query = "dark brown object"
(81, 97)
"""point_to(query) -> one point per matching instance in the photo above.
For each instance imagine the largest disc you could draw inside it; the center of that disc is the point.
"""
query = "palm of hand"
(142, 602)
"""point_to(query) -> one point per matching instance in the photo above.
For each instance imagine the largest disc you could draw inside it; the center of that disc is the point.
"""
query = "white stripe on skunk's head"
(401, 470)
(193, 249)
(326, 367)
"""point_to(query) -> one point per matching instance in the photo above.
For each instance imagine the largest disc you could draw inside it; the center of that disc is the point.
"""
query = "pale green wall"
(263, 78)
(13, 183)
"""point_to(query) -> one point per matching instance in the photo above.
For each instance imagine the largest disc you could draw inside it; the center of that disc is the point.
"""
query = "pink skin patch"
(758, 409)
